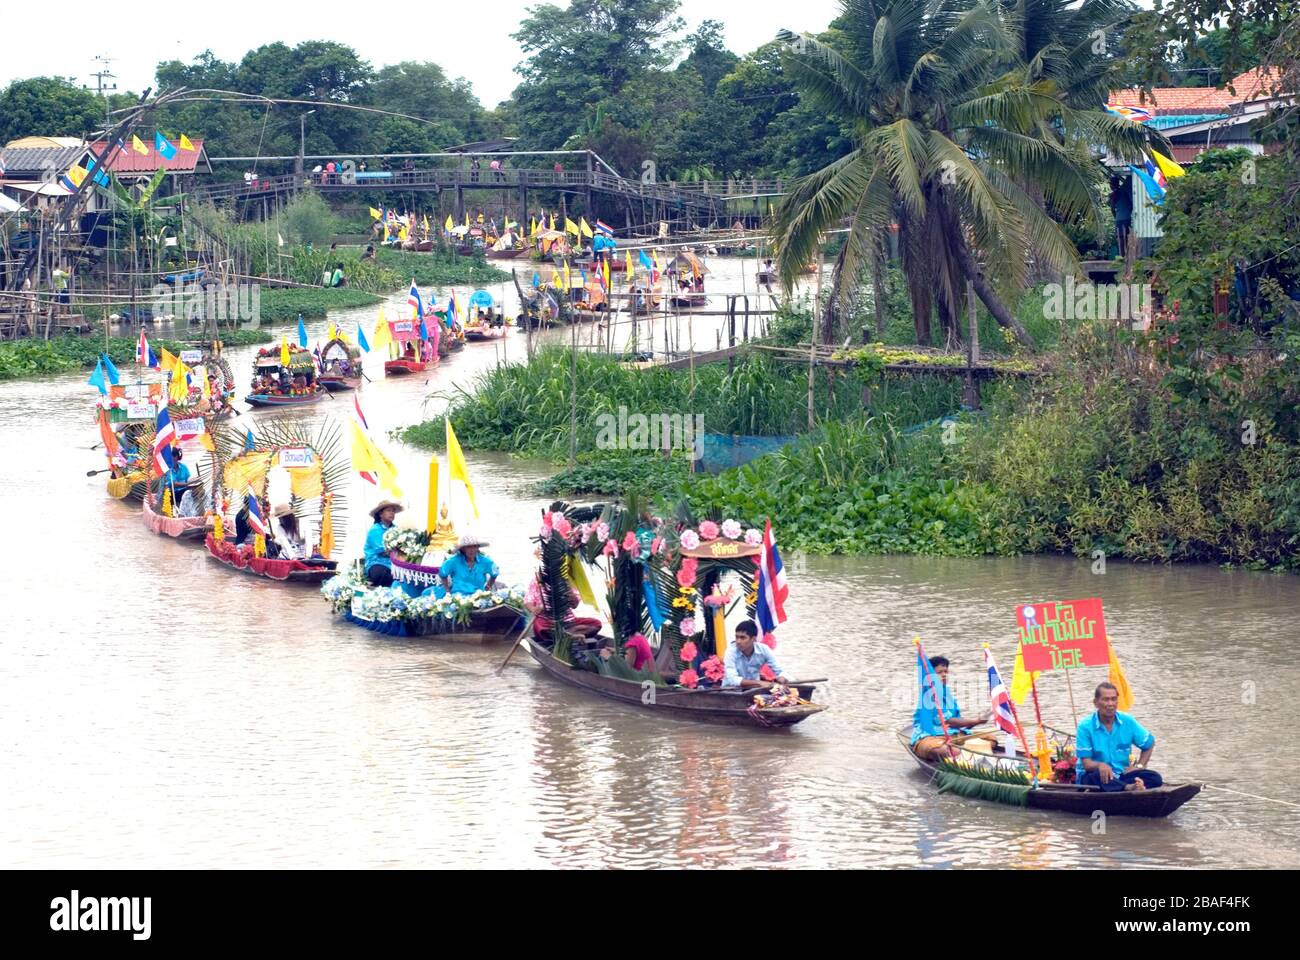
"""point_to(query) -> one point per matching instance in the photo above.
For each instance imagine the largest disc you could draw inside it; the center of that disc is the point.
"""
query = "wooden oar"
(91, 473)
(528, 624)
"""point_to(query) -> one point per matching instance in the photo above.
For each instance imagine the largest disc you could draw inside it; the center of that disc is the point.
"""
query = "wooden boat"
(178, 528)
(413, 353)
(126, 417)
(241, 558)
(484, 321)
(487, 626)
(507, 254)
(340, 366)
(281, 400)
(731, 706)
(403, 366)
(1063, 797)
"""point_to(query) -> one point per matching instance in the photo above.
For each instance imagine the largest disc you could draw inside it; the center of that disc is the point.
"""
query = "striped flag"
(356, 402)
(604, 228)
(416, 304)
(255, 518)
(772, 589)
(1003, 713)
(164, 437)
(144, 356)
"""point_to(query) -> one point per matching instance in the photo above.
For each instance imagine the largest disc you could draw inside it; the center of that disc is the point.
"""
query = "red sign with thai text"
(1063, 635)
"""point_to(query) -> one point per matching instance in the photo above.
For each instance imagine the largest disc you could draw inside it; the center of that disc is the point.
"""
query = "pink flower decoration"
(770, 640)
(689, 651)
(689, 678)
(586, 532)
(731, 529)
(708, 530)
(656, 544)
(689, 539)
(562, 526)
(602, 531)
(713, 669)
(687, 629)
(611, 549)
(685, 579)
(545, 532)
(753, 537)
(629, 541)
(766, 673)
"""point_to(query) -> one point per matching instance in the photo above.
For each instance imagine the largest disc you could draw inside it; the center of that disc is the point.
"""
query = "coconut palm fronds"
(996, 784)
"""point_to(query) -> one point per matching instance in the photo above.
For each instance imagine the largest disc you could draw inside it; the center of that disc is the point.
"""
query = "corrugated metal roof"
(21, 161)
(1181, 120)
(129, 162)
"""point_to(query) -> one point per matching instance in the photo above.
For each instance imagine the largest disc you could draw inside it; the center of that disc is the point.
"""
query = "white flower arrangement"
(382, 604)
(408, 543)
(340, 589)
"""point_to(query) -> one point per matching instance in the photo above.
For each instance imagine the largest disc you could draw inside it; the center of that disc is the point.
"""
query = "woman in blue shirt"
(468, 571)
(379, 569)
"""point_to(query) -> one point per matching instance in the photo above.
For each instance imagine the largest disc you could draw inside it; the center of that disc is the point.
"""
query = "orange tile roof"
(1251, 85)
(130, 162)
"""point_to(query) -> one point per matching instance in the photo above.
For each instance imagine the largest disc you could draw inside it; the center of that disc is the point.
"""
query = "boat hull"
(711, 706)
(285, 571)
(485, 333)
(193, 529)
(1086, 801)
(401, 368)
(337, 384)
(275, 400)
(488, 626)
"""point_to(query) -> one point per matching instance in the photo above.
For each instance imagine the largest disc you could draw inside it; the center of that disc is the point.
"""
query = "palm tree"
(975, 123)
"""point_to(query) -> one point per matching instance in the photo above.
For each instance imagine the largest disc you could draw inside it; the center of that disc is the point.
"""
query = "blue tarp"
(722, 451)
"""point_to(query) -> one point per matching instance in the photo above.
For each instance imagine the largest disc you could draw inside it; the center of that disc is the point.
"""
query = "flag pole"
(1020, 731)
(934, 685)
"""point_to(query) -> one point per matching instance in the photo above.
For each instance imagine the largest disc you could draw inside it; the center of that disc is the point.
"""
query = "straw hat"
(281, 510)
(374, 512)
(471, 540)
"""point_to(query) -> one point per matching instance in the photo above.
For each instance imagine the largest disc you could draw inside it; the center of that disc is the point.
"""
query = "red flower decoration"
(689, 651)
(766, 672)
(770, 640)
(708, 530)
(629, 541)
(689, 678)
(713, 669)
(686, 575)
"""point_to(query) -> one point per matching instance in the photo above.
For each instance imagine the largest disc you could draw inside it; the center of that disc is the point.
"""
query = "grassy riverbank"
(34, 358)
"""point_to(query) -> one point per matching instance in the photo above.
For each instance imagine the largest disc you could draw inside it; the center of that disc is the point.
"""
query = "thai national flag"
(605, 228)
(1002, 712)
(164, 437)
(255, 518)
(414, 301)
(772, 589)
(144, 356)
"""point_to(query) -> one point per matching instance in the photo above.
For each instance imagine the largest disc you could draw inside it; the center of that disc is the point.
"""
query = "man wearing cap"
(467, 570)
(379, 569)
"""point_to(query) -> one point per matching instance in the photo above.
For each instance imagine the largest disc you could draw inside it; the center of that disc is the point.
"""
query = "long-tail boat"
(316, 473)
(414, 353)
(126, 416)
(340, 365)
(270, 374)
(992, 775)
(484, 321)
(656, 570)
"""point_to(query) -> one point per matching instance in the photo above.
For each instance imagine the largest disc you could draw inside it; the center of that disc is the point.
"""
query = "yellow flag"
(166, 360)
(138, 145)
(576, 574)
(571, 227)
(284, 350)
(185, 144)
(383, 336)
(532, 228)
(327, 529)
(1168, 167)
(1021, 679)
(368, 458)
(180, 390)
(1116, 676)
(552, 221)
(334, 332)
(568, 277)
(375, 214)
(76, 174)
(207, 387)
(456, 468)
(385, 238)
(604, 265)
(425, 222)
(630, 271)
(247, 472)
(467, 218)
(205, 441)
(585, 227)
(448, 225)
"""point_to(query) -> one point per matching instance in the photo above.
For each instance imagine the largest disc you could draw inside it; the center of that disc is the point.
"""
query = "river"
(158, 710)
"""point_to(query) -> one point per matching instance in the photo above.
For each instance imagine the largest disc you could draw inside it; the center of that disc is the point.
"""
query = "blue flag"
(110, 369)
(652, 602)
(161, 144)
(362, 342)
(248, 441)
(1154, 190)
(646, 261)
(302, 332)
(97, 378)
(424, 333)
(537, 279)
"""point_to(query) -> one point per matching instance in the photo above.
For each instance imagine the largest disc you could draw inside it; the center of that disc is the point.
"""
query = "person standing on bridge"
(473, 169)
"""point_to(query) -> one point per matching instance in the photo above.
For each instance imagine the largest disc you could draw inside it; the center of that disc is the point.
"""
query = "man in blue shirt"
(468, 571)
(745, 659)
(176, 478)
(928, 741)
(1103, 743)
(379, 569)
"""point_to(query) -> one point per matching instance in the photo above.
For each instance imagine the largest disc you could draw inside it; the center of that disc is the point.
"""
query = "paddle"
(528, 624)
(91, 473)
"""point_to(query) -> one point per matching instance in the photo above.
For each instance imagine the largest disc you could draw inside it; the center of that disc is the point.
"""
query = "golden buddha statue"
(444, 533)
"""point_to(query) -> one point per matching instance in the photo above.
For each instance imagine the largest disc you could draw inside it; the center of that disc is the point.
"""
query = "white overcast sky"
(470, 40)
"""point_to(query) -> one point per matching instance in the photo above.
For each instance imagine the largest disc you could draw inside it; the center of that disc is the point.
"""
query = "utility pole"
(100, 76)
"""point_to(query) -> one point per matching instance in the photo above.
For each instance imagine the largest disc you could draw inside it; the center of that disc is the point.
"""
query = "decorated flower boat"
(340, 365)
(299, 470)
(178, 528)
(992, 775)
(284, 377)
(126, 416)
(413, 352)
(485, 321)
(211, 385)
(659, 574)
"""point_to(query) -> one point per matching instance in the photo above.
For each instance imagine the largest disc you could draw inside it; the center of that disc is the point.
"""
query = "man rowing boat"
(1104, 742)
(928, 740)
